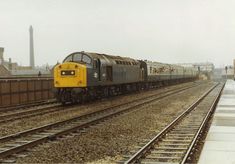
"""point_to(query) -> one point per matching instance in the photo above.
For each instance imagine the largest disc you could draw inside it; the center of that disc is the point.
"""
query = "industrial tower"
(31, 47)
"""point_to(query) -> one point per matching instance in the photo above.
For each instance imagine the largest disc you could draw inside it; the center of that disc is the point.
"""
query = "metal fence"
(17, 91)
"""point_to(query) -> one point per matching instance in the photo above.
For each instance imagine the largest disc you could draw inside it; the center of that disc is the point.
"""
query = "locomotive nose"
(70, 75)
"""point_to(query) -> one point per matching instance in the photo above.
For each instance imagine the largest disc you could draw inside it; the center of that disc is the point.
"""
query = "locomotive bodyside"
(88, 75)
(85, 76)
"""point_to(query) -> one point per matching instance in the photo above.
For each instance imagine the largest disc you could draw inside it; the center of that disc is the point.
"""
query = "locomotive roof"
(97, 55)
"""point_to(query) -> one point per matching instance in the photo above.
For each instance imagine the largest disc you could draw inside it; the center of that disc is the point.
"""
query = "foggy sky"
(170, 31)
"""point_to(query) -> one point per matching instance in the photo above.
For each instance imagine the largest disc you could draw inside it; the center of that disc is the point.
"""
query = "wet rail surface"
(21, 141)
(175, 143)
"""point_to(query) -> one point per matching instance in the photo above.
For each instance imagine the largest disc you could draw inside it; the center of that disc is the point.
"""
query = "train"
(84, 76)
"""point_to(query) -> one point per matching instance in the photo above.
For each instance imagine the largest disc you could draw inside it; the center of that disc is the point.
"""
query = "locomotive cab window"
(77, 57)
(68, 59)
(86, 59)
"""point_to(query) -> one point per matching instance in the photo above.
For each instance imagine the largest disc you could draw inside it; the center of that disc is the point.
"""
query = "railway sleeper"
(170, 148)
(174, 140)
(160, 158)
(167, 152)
(180, 138)
(173, 144)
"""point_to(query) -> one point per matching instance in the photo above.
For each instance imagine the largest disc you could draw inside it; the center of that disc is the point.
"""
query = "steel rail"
(5, 138)
(203, 124)
(30, 113)
(92, 119)
(139, 154)
(27, 105)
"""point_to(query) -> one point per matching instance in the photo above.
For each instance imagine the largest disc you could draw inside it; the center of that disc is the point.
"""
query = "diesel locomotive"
(84, 76)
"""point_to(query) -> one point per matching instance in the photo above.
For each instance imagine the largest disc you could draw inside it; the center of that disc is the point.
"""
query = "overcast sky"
(171, 31)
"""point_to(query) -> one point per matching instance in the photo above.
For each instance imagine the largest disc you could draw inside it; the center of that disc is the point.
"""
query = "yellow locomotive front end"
(70, 79)
(70, 75)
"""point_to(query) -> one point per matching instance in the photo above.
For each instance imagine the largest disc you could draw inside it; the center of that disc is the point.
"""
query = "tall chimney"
(31, 47)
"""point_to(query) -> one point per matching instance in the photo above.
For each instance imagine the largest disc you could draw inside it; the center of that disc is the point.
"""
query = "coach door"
(142, 74)
(143, 71)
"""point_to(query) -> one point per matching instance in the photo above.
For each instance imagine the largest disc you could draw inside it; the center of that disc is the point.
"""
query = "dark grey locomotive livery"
(97, 75)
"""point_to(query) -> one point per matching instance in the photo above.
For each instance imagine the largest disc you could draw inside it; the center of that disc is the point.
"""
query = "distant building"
(201, 67)
(4, 65)
(4, 71)
(205, 69)
(234, 68)
(9, 68)
(1, 55)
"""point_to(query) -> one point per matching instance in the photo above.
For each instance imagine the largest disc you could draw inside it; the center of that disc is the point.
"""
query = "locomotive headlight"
(67, 72)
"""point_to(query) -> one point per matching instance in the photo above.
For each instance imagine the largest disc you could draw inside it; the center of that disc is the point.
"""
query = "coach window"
(86, 59)
(77, 57)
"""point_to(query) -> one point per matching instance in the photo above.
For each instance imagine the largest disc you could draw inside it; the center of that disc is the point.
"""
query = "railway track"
(21, 141)
(14, 115)
(26, 106)
(26, 113)
(176, 142)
